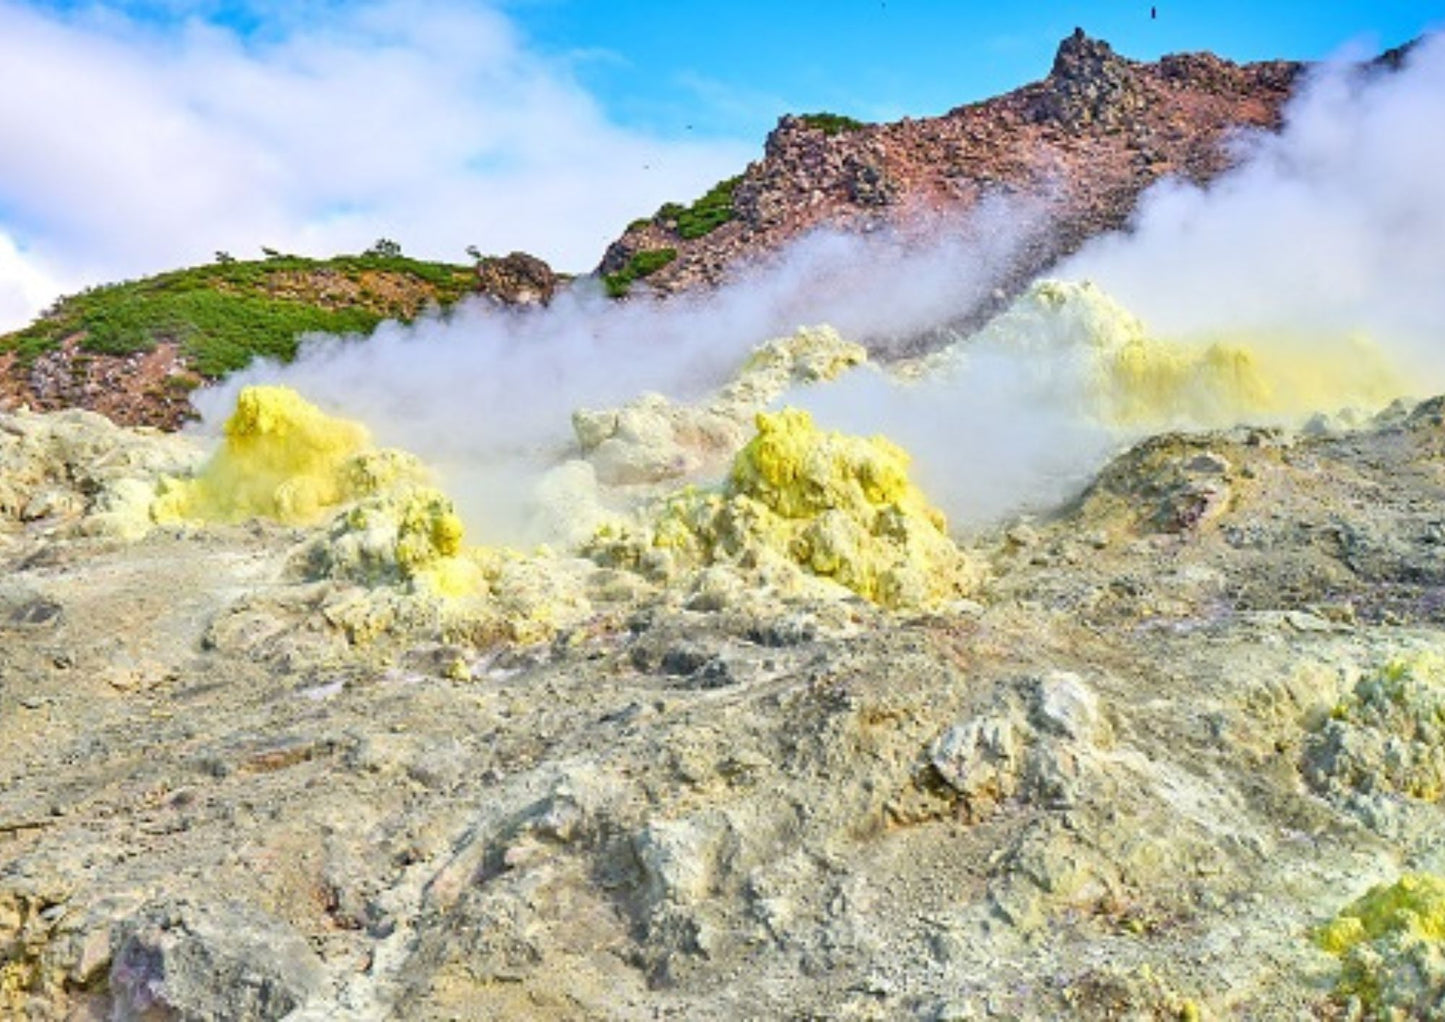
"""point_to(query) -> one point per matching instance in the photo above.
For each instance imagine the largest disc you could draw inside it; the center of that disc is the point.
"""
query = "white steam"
(487, 395)
(1335, 225)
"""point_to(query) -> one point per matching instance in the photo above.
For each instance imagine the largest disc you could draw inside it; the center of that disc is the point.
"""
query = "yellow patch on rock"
(1392, 945)
(1137, 379)
(1414, 905)
(835, 506)
(283, 458)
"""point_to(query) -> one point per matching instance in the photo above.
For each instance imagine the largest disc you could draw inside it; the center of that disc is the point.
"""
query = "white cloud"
(132, 146)
(24, 285)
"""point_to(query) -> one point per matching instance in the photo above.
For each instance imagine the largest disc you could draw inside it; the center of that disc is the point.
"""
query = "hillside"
(135, 350)
(1176, 755)
(1084, 142)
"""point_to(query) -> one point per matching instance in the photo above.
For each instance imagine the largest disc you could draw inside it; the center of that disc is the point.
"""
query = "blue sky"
(145, 135)
(732, 68)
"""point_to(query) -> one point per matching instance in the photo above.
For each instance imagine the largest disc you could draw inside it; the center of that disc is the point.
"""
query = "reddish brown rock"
(1085, 142)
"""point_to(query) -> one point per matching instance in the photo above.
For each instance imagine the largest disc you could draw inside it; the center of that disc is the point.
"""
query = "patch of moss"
(831, 124)
(704, 216)
(229, 312)
(642, 264)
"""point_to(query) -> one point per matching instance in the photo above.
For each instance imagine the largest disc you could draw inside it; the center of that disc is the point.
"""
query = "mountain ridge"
(1083, 143)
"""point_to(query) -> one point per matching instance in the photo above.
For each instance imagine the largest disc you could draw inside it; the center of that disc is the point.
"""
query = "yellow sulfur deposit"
(282, 458)
(807, 355)
(653, 439)
(1392, 945)
(838, 507)
(1414, 905)
(1387, 735)
(1139, 380)
(285, 459)
(411, 534)
(800, 471)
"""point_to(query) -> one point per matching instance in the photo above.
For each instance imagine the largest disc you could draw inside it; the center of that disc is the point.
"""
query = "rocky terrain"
(1076, 148)
(1083, 143)
(1172, 751)
(757, 733)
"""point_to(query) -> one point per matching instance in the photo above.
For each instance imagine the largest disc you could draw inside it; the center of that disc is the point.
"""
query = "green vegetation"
(224, 314)
(705, 215)
(640, 265)
(384, 248)
(831, 124)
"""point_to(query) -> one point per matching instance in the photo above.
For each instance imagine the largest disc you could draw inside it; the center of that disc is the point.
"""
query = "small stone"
(1207, 463)
(1066, 706)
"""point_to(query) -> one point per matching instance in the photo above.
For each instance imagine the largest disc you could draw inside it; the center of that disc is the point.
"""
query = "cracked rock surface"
(1129, 778)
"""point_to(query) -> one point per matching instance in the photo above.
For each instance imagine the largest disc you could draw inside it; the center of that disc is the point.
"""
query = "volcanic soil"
(1119, 782)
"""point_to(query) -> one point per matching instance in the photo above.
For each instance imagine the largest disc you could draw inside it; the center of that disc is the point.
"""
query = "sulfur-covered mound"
(1136, 379)
(652, 438)
(1387, 736)
(79, 468)
(1392, 945)
(837, 507)
(410, 535)
(284, 458)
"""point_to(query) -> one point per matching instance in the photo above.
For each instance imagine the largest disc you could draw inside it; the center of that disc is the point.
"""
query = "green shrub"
(831, 124)
(640, 265)
(703, 217)
(708, 213)
(224, 314)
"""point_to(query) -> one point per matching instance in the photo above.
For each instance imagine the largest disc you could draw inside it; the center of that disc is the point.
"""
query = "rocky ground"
(1188, 720)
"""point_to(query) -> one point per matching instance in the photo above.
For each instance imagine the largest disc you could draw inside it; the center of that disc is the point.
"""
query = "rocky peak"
(1089, 84)
(1080, 57)
(516, 279)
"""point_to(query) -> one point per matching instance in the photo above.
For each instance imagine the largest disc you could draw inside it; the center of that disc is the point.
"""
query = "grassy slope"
(223, 314)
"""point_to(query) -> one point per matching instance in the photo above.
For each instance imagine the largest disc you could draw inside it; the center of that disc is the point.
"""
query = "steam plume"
(1333, 226)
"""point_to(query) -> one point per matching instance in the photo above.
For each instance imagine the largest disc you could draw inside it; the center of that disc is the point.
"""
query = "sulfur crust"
(1413, 905)
(1139, 380)
(282, 458)
(285, 459)
(1391, 942)
(834, 506)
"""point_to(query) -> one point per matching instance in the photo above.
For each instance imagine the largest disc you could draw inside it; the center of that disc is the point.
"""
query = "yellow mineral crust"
(1391, 943)
(411, 534)
(652, 439)
(1387, 735)
(1137, 379)
(1414, 905)
(282, 458)
(285, 459)
(835, 506)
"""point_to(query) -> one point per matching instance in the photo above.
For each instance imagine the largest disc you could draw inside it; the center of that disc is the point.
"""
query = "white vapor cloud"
(134, 145)
(1332, 226)
(1337, 224)
(487, 396)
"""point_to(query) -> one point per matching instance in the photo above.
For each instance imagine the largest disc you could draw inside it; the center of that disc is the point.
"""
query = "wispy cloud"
(153, 135)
